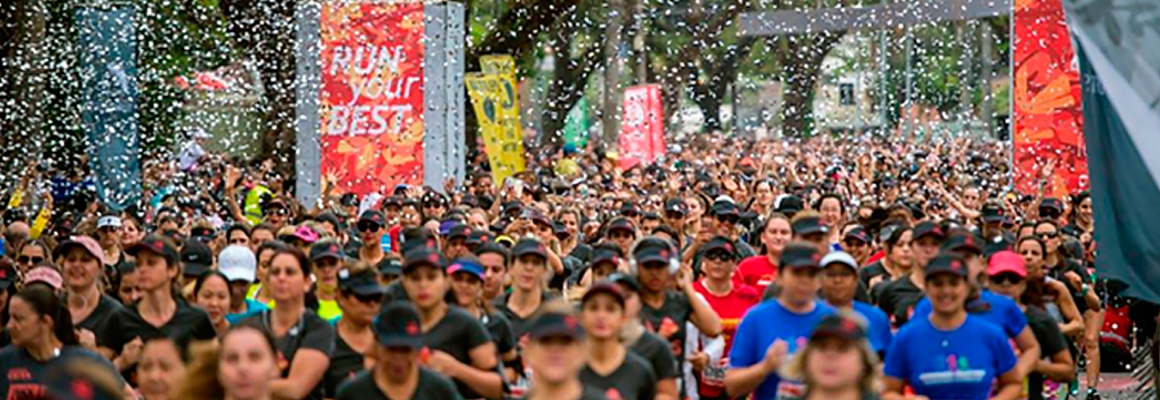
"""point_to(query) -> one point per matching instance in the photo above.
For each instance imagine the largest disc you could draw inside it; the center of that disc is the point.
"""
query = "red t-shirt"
(730, 308)
(755, 271)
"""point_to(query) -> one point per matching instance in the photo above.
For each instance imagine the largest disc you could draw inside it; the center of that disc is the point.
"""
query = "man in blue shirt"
(839, 284)
(773, 330)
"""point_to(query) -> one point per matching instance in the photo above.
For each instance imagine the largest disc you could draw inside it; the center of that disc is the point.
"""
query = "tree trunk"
(802, 61)
(610, 116)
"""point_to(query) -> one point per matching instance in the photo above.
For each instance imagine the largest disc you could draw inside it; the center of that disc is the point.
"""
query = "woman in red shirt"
(761, 270)
(730, 300)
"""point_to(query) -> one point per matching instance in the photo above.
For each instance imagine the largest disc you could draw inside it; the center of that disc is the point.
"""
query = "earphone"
(673, 258)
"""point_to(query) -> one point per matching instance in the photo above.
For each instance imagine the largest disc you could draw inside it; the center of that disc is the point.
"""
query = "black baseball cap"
(840, 327)
(326, 248)
(196, 257)
(458, 230)
(348, 200)
(788, 204)
(423, 255)
(628, 209)
(946, 263)
(718, 243)
(800, 255)
(478, 237)
(600, 255)
(928, 228)
(992, 213)
(725, 207)
(529, 246)
(621, 223)
(625, 280)
(157, 245)
(1053, 204)
(389, 201)
(390, 266)
(653, 249)
(434, 197)
(399, 326)
(963, 241)
(809, 225)
(676, 205)
(552, 323)
(858, 233)
(512, 206)
(203, 233)
(608, 288)
(373, 216)
(363, 283)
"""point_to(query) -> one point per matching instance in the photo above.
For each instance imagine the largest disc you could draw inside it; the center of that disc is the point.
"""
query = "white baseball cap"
(238, 263)
(109, 221)
(840, 257)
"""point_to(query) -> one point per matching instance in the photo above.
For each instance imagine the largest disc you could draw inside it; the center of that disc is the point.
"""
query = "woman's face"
(264, 264)
(831, 210)
(238, 237)
(924, 249)
(131, 233)
(24, 324)
(30, 255)
(571, 223)
(1033, 257)
(900, 253)
(800, 284)
(287, 282)
(259, 236)
(528, 272)
(153, 272)
(326, 271)
(409, 217)
(478, 221)
(81, 269)
(695, 209)
(425, 286)
(130, 289)
(764, 194)
(602, 316)
(776, 234)
(494, 272)
(555, 358)
(834, 363)
(946, 292)
(247, 365)
(397, 362)
(718, 265)
(467, 287)
(214, 297)
(109, 236)
(1007, 284)
(360, 309)
(1050, 236)
(1084, 211)
(159, 369)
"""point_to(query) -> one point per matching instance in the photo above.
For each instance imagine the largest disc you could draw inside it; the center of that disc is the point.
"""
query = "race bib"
(790, 390)
(714, 374)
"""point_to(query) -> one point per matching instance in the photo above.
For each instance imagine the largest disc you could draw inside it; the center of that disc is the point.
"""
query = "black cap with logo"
(326, 248)
(800, 255)
(946, 264)
(808, 226)
(399, 326)
(196, 257)
(529, 246)
(653, 249)
(928, 228)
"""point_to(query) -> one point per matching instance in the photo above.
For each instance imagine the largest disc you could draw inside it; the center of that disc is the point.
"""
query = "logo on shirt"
(19, 374)
(958, 370)
(613, 394)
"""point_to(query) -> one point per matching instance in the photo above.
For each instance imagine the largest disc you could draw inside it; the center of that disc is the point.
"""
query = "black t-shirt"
(898, 298)
(457, 334)
(97, 321)
(431, 386)
(633, 380)
(186, 325)
(311, 332)
(28, 379)
(519, 324)
(587, 393)
(871, 270)
(658, 354)
(500, 330)
(1051, 341)
(581, 252)
(670, 317)
(345, 364)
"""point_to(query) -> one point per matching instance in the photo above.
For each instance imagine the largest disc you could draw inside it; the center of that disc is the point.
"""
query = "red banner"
(642, 131)
(372, 95)
(1048, 121)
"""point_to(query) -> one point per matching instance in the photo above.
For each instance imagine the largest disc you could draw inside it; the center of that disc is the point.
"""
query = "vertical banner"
(372, 92)
(576, 124)
(642, 136)
(1048, 120)
(108, 62)
(496, 102)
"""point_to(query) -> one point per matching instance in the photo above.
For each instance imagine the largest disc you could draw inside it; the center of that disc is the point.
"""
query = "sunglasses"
(719, 256)
(674, 215)
(855, 243)
(432, 205)
(1049, 235)
(369, 298)
(278, 211)
(730, 219)
(29, 260)
(368, 228)
(1005, 279)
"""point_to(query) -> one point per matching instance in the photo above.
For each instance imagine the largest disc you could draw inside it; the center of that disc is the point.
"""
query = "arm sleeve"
(505, 339)
(319, 336)
(476, 334)
(649, 390)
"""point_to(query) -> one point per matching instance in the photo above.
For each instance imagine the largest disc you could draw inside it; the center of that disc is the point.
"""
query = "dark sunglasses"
(1005, 279)
(29, 260)
(855, 243)
(728, 219)
(278, 211)
(1048, 235)
(674, 215)
(432, 205)
(368, 227)
(719, 256)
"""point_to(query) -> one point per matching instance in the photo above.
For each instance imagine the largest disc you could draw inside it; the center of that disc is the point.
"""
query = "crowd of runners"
(831, 269)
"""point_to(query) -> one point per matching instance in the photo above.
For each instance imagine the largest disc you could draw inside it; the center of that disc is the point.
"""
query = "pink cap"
(44, 274)
(89, 244)
(306, 234)
(1006, 261)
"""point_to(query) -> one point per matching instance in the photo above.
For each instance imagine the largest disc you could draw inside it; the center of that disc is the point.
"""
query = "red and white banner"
(642, 130)
(372, 95)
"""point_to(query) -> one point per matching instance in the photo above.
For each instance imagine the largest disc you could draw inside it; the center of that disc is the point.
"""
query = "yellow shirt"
(252, 294)
(328, 309)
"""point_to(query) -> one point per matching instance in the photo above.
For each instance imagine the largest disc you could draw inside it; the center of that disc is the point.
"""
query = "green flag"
(576, 124)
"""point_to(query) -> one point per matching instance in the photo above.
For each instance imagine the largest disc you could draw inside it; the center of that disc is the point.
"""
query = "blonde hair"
(803, 215)
(201, 377)
(797, 367)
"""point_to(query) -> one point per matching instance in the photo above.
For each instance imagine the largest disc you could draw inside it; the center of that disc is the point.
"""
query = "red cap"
(1006, 261)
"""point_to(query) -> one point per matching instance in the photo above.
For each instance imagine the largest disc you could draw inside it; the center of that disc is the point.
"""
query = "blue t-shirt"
(1004, 313)
(252, 307)
(950, 365)
(878, 330)
(759, 328)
